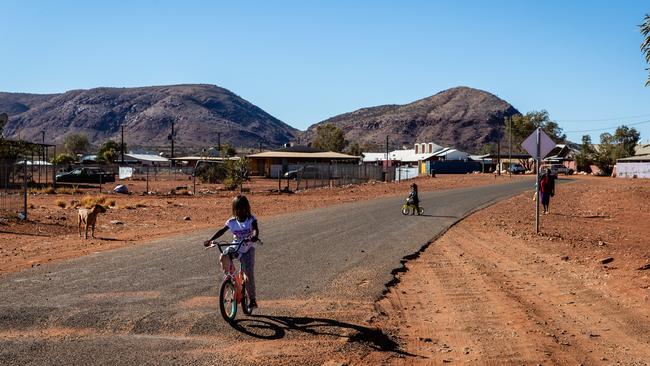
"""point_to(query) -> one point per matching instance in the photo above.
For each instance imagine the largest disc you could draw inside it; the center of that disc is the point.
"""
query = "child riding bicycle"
(413, 198)
(243, 226)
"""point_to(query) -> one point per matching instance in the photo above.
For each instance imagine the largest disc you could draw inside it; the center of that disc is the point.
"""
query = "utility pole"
(510, 146)
(43, 159)
(122, 144)
(171, 137)
(219, 142)
(498, 150)
(386, 152)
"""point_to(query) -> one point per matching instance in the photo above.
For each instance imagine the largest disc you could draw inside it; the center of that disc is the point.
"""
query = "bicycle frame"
(236, 279)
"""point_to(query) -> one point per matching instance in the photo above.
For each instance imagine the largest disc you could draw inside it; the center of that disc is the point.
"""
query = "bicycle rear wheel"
(228, 300)
(421, 211)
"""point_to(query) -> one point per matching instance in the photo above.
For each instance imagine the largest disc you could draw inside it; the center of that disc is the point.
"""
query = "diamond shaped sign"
(545, 144)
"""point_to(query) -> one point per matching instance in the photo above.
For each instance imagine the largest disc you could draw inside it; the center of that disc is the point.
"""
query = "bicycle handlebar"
(219, 244)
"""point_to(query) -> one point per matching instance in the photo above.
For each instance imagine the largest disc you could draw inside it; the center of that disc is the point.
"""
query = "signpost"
(538, 145)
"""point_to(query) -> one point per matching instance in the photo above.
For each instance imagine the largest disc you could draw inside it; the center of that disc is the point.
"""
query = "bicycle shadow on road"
(439, 216)
(276, 327)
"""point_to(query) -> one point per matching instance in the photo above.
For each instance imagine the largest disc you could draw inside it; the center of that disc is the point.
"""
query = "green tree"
(329, 137)
(109, 152)
(626, 140)
(604, 157)
(76, 143)
(236, 173)
(586, 156)
(227, 150)
(63, 159)
(645, 45)
(523, 125)
(614, 147)
(354, 149)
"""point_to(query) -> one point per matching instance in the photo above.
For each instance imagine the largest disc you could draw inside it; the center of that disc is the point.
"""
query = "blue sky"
(304, 61)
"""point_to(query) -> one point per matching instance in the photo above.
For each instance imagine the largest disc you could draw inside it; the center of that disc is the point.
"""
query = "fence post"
(147, 173)
(25, 189)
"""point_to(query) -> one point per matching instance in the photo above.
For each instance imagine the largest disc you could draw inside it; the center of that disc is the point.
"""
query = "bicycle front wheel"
(421, 211)
(228, 300)
(245, 300)
(405, 210)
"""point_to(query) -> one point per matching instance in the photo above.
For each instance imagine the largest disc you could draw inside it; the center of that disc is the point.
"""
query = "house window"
(416, 148)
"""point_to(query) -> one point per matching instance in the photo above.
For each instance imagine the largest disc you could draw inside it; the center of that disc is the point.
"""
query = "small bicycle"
(409, 208)
(233, 288)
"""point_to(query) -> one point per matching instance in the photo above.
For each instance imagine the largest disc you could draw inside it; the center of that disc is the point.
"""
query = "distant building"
(422, 156)
(277, 162)
(637, 166)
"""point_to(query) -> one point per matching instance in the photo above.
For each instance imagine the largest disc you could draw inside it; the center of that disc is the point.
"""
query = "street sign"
(545, 144)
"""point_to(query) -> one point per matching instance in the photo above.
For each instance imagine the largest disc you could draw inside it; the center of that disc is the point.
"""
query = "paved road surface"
(120, 307)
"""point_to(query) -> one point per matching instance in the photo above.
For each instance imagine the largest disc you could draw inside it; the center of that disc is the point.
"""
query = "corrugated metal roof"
(211, 158)
(148, 157)
(314, 155)
(642, 149)
(631, 159)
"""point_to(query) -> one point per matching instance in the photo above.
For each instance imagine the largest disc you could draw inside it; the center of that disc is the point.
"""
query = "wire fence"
(14, 178)
(309, 176)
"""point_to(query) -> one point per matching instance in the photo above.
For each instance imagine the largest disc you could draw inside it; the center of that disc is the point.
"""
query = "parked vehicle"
(516, 169)
(86, 175)
(307, 172)
(556, 169)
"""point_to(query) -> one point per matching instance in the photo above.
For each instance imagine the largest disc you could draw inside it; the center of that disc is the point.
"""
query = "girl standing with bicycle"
(243, 226)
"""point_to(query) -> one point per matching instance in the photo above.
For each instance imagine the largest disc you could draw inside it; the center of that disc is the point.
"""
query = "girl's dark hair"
(241, 201)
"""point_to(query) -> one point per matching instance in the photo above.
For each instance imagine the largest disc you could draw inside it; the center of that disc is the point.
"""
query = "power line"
(609, 128)
(602, 119)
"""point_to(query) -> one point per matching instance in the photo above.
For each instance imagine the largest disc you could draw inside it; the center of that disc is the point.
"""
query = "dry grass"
(183, 192)
(141, 204)
(60, 203)
(89, 201)
(49, 190)
(69, 190)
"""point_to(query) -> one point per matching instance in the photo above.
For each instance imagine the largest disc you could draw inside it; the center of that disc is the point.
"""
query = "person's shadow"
(277, 327)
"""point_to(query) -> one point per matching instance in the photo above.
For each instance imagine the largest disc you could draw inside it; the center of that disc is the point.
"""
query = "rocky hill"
(198, 112)
(461, 117)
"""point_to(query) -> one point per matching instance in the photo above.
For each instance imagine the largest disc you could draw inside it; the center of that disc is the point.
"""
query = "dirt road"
(162, 296)
(489, 292)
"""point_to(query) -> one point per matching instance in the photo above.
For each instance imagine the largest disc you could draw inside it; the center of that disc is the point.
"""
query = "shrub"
(230, 184)
(60, 203)
(49, 190)
(212, 172)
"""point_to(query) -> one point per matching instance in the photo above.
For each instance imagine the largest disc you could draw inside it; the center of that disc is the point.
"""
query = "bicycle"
(409, 208)
(233, 288)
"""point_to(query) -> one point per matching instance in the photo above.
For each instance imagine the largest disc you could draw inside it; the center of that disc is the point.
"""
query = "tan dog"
(88, 217)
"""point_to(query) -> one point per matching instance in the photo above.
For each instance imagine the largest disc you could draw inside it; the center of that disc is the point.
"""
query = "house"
(422, 157)
(637, 166)
(274, 163)
(563, 154)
